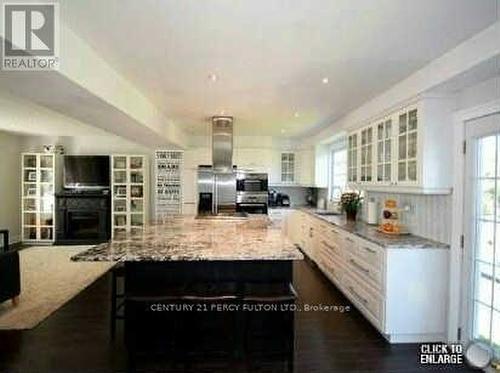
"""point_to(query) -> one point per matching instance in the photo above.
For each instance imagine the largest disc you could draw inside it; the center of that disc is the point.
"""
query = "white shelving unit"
(168, 177)
(129, 190)
(38, 202)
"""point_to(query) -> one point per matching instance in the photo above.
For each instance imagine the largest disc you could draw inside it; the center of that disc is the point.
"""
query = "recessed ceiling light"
(282, 130)
(296, 114)
(213, 77)
(324, 80)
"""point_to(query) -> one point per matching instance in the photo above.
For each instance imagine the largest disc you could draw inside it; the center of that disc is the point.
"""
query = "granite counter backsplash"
(187, 238)
(370, 233)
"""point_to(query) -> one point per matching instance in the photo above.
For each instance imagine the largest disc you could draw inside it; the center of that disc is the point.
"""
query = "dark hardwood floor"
(76, 339)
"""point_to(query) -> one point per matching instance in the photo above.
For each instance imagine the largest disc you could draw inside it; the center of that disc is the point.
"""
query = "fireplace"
(83, 225)
(83, 218)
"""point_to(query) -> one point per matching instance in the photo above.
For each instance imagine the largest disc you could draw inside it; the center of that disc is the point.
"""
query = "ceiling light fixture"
(213, 77)
(282, 130)
(296, 114)
(324, 80)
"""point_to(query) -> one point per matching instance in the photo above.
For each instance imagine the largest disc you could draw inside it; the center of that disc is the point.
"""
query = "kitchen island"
(224, 284)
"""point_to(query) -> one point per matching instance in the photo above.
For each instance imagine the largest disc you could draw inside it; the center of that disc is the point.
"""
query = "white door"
(481, 301)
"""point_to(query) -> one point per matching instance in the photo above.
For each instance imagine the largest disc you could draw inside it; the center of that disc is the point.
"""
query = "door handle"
(355, 293)
(371, 251)
(357, 265)
(329, 246)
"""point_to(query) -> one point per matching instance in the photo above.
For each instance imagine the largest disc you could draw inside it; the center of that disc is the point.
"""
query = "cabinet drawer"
(330, 249)
(367, 301)
(331, 268)
(349, 243)
(371, 275)
(371, 254)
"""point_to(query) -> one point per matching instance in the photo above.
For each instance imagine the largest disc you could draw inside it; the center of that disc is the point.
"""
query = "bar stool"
(117, 298)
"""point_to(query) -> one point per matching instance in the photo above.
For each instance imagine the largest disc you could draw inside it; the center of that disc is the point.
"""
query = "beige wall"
(10, 184)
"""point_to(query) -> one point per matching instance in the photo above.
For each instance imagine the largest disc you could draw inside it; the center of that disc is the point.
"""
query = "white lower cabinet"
(401, 291)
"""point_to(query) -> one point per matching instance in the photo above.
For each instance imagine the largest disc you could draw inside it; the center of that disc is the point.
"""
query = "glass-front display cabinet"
(128, 194)
(37, 193)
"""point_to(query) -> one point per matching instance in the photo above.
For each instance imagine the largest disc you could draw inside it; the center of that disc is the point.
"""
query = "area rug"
(49, 279)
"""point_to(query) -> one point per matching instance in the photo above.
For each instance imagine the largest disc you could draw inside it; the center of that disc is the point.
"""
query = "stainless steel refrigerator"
(217, 191)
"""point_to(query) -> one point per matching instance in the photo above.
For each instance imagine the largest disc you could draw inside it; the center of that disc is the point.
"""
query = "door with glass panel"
(366, 154)
(384, 151)
(482, 232)
(352, 158)
(407, 131)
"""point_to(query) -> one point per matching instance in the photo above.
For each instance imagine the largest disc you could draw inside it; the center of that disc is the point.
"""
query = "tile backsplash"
(429, 216)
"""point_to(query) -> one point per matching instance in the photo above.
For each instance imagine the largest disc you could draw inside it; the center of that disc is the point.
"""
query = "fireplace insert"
(83, 218)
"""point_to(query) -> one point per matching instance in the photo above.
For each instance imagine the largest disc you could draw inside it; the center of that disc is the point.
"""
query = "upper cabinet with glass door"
(366, 155)
(384, 148)
(407, 147)
(413, 150)
(352, 158)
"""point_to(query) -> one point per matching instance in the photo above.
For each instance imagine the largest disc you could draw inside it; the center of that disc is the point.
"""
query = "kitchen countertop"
(370, 233)
(190, 239)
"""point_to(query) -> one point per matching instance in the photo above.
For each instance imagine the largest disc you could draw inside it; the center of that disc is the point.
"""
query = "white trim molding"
(455, 304)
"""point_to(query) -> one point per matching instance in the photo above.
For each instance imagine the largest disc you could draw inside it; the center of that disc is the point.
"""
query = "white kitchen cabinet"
(404, 151)
(384, 148)
(288, 169)
(407, 149)
(366, 149)
(321, 173)
(401, 291)
(292, 167)
(300, 230)
(352, 157)
(254, 160)
(189, 191)
(305, 167)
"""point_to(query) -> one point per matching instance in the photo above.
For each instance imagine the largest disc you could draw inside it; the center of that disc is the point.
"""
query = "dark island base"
(229, 308)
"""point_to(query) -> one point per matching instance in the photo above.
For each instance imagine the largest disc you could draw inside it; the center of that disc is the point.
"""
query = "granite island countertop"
(370, 233)
(190, 239)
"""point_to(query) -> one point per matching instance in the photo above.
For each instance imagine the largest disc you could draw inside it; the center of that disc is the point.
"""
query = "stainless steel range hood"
(222, 144)
(217, 183)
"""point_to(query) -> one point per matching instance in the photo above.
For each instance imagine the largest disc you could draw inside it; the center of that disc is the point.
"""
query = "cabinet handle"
(371, 251)
(357, 265)
(362, 299)
(329, 246)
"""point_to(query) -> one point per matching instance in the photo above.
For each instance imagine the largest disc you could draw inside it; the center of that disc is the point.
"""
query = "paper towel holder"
(372, 213)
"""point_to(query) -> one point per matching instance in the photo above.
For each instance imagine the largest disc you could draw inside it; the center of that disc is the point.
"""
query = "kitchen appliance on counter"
(312, 197)
(283, 200)
(391, 219)
(278, 199)
(372, 215)
(251, 192)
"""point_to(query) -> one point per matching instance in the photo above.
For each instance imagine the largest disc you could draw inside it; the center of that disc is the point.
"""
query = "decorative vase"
(351, 215)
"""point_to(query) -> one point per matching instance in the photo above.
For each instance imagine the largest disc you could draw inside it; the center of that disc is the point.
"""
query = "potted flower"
(350, 202)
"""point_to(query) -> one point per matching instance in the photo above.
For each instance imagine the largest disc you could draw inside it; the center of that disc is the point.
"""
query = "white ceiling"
(270, 56)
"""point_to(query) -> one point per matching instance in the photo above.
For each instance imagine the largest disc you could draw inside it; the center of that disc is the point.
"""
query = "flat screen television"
(86, 171)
